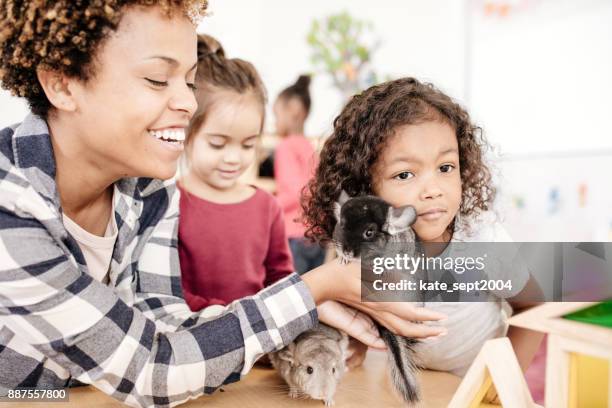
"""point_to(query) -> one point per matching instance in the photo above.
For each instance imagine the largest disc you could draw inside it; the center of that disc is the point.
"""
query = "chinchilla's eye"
(369, 233)
(334, 370)
(309, 370)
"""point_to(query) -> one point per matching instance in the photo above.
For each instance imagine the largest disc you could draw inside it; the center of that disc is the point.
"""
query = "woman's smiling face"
(140, 95)
(420, 166)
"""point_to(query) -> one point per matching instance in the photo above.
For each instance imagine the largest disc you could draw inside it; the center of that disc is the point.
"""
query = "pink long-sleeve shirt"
(294, 164)
(229, 251)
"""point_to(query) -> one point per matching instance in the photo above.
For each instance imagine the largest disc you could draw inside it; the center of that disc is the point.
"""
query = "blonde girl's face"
(224, 146)
(420, 166)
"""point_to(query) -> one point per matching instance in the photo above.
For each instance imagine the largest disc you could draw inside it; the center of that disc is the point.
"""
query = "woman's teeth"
(169, 135)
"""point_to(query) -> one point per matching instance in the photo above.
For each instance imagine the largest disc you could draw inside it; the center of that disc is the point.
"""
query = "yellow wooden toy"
(578, 363)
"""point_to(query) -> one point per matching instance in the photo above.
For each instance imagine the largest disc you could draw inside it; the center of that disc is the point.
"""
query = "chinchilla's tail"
(402, 364)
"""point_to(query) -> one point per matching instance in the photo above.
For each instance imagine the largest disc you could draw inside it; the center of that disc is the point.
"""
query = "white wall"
(582, 206)
(420, 38)
(12, 110)
(540, 83)
(541, 80)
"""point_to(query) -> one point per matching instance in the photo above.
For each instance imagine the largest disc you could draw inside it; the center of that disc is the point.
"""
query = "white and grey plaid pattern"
(134, 339)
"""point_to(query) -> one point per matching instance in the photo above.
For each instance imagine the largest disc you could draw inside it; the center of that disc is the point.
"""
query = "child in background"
(408, 143)
(232, 239)
(294, 164)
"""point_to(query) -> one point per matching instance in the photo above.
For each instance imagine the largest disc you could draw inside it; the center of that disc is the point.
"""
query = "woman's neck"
(85, 186)
(200, 188)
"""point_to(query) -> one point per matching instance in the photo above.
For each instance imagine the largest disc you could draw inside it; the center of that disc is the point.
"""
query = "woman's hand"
(342, 282)
(351, 321)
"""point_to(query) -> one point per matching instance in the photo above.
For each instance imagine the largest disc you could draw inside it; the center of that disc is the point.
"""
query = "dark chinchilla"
(371, 220)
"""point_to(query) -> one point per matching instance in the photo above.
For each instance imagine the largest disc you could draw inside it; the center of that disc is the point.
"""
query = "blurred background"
(535, 74)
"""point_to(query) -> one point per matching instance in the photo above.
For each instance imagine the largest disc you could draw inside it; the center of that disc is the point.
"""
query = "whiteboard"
(540, 79)
(556, 197)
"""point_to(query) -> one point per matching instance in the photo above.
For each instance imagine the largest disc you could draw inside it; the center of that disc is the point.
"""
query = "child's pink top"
(229, 251)
(294, 164)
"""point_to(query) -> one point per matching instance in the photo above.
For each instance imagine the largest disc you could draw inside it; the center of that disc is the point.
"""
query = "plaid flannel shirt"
(135, 338)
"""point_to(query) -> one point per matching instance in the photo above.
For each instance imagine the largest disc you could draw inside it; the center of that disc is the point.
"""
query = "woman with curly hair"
(410, 144)
(88, 228)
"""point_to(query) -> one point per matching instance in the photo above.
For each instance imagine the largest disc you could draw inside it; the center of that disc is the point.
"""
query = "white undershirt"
(98, 251)
(469, 324)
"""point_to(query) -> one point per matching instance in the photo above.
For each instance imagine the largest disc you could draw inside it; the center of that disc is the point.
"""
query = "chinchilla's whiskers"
(279, 387)
(301, 395)
(277, 393)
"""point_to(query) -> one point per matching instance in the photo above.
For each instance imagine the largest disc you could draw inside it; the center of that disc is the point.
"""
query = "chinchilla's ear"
(337, 208)
(344, 197)
(400, 219)
(287, 353)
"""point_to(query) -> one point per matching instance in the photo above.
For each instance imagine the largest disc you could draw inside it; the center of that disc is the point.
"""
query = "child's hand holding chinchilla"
(342, 282)
(353, 321)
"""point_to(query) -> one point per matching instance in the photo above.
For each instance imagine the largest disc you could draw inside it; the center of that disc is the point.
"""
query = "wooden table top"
(366, 386)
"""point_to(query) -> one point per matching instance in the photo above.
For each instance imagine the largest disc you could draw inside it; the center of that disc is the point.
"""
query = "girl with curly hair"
(410, 144)
(88, 228)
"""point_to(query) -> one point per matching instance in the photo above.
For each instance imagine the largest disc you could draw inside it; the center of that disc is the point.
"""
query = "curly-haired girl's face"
(139, 97)
(419, 165)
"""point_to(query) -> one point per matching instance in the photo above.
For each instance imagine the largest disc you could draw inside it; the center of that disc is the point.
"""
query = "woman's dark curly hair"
(362, 130)
(63, 36)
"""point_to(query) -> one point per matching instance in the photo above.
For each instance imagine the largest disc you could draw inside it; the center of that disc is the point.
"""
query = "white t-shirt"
(97, 250)
(470, 324)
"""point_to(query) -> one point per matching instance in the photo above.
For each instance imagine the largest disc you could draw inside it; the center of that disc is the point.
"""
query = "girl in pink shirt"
(294, 164)
(232, 239)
